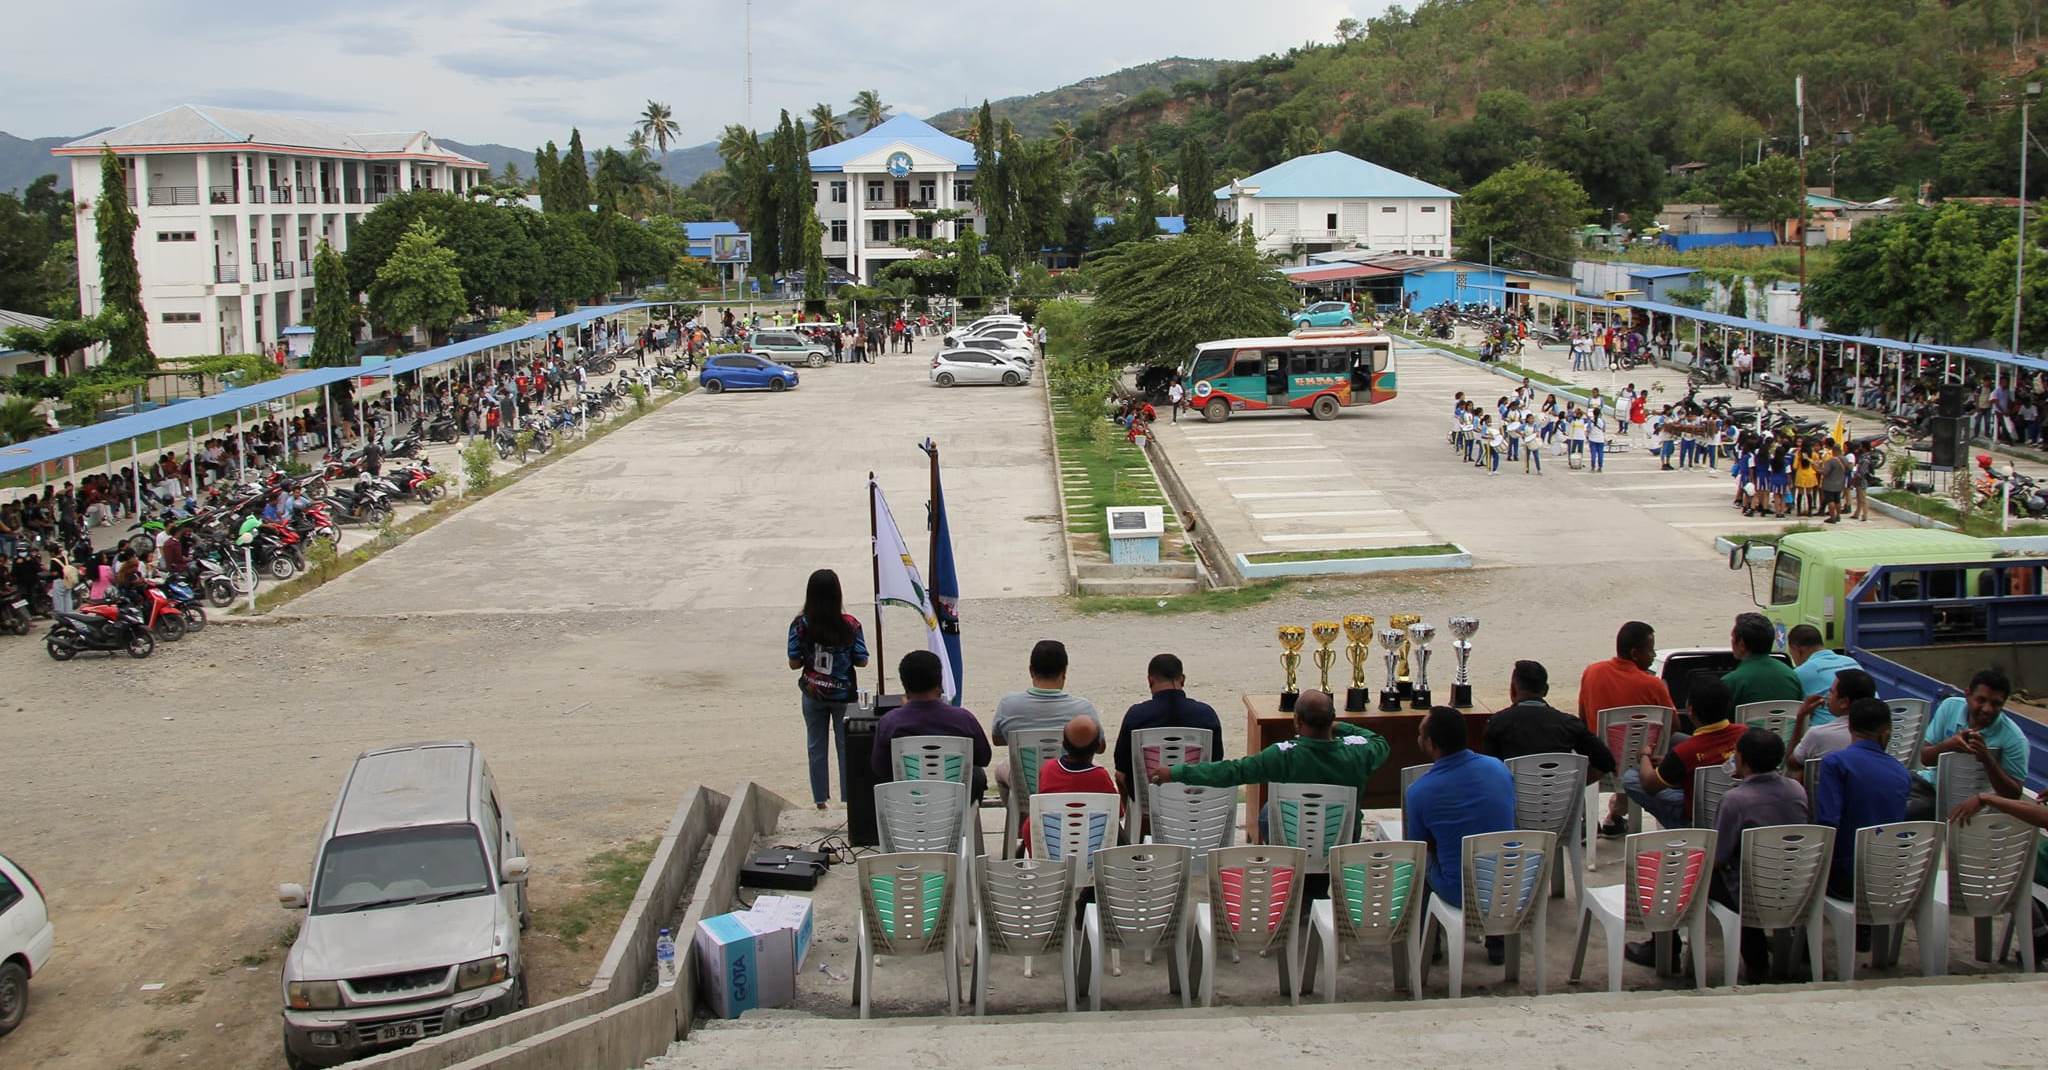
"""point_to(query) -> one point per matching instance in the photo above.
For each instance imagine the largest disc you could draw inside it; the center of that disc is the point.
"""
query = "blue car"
(745, 371)
(1325, 314)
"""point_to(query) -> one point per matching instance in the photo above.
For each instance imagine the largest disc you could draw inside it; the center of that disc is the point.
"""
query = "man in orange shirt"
(1622, 680)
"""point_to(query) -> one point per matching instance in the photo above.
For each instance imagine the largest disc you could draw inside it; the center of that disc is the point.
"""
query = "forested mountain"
(1034, 115)
(1616, 91)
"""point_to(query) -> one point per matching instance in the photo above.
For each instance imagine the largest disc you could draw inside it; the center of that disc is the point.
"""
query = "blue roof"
(1636, 272)
(704, 231)
(1171, 224)
(1335, 174)
(298, 330)
(918, 134)
(470, 347)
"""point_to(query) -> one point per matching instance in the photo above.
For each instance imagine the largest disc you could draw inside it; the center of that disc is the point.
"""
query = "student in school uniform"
(1574, 435)
(1596, 444)
(1496, 442)
(1532, 445)
(1710, 442)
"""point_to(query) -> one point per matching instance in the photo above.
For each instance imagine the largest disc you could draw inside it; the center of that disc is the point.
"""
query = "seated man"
(1622, 680)
(1463, 794)
(1850, 686)
(1322, 752)
(1760, 797)
(1859, 786)
(925, 712)
(1532, 726)
(1075, 769)
(1757, 676)
(1664, 789)
(1045, 705)
(1169, 707)
(1814, 663)
(1974, 723)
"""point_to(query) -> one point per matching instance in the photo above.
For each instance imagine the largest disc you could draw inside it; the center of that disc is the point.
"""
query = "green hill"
(1034, 115)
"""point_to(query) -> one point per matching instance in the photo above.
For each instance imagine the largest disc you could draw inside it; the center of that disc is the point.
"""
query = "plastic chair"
(1313, 817)
(906, 910)
(947, 758)
(1710, 784)
(1664, 891)
(1909, 723)
(1074, 824)
(1784, 873)
(1549, 797)
(1895, 868)
(1197, 818)
(1958, 776)
(1629, 732)
(928, 815)
(1141, 903)
(1378, 885)
(1502, 872)
(1409, 775)
(1028, 752)
(1809, 778)
(1152, 748)
(1027, 909)
(1254, 899)
(1775, 717)
(1990, 866)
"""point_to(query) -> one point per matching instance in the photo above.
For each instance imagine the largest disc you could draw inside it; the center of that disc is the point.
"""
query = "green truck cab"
(1806, 579)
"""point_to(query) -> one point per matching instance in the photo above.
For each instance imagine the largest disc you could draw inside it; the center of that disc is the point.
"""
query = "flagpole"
(874, 558)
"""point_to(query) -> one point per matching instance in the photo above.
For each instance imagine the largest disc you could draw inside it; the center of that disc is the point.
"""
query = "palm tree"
(738, 145)
(658, 124)
(19, 421)
(1110, 174)
(868, 106)
(1065, 140)
(971, 133)
(636, 143)
(826, 129)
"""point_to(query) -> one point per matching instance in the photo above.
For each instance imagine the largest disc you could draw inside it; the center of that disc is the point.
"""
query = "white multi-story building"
(868, 189)
(1331, 200)
(231, 206)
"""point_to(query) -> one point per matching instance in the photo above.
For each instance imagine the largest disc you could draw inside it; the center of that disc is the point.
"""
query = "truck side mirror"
(1738, 555)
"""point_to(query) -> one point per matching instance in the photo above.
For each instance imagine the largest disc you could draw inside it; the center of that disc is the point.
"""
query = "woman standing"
(826, 646)
(1805, 480)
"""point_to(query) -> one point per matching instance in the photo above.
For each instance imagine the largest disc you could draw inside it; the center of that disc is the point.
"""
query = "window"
(838, 193)
(1388, 209)
(396, 867)
(1208, 366)
(1428, 208)
(1785, 579)
(1249, 362)
(874, 192)
(1330, 221)
(9, 894)
(176, 235)
(878, 231)
(924, 228)
(927, 190)
(181, 317)
(814, 193)
(963, 190)
(839, 225)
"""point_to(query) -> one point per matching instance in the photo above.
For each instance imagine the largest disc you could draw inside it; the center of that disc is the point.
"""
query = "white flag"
(898, 581)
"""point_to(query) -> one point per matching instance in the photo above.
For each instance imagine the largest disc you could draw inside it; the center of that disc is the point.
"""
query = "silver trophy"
(1419, 636)
(1390, 695)
(1462, 631)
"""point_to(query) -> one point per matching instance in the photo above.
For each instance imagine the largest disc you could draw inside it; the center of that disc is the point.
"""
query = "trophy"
(1291, 636)
(1419, 636)
(1401, 680)
(1358, 629)
(1390, 696)
(1462, 629)
(1325, 633)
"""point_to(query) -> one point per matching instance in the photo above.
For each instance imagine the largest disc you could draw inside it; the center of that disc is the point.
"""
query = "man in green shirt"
(1324, 752)
(1757, 676)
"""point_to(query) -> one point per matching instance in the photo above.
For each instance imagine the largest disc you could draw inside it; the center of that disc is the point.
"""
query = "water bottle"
(665, 959)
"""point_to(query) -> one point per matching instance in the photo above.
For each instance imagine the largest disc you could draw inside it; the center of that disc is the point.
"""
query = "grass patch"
(1096, 476)
(1276, 557)
(1222, 600)
(1981, 524)
(177, 995)
(610, 880)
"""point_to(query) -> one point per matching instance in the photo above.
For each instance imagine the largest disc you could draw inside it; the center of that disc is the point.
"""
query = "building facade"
(1332, 200)
(869, 190)
(231, 206)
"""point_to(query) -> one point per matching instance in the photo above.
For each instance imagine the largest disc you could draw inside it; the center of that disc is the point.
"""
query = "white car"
(1013, 349)
(955, 366)
(1006, 331)
(26, 937)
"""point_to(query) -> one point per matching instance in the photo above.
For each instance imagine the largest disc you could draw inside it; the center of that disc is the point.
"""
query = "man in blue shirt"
(1859, 786)
(1463, 794)
(1815, 665)
(1974, 723)
(1169, 707)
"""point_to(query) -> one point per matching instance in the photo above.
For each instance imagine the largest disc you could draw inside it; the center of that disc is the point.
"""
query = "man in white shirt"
(1175, 394)
(1743, 364)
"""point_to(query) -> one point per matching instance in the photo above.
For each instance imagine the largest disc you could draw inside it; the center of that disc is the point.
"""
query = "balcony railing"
(380, 196)
(305, 269)
(220, 195)
(255, 194)
(352, 196)
(163, 195)
(330, 195)
(308, 195)
(893, 205)
(280, 195)
(284, 269)
(259, 272)
(226, 273)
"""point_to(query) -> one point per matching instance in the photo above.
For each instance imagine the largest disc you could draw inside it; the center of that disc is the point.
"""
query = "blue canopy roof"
(921, 136)
(473, 346)
(1596, 302)
(1333, 174)
(1639, 272)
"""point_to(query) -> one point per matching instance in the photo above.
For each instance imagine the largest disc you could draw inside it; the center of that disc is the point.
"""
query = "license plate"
(398, 1031)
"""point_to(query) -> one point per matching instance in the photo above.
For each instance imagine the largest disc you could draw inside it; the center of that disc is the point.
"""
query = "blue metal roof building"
(917, 133)
(1331, 175)
(699, 235)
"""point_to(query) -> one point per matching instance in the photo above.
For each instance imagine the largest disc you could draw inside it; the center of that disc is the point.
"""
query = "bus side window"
(1250, 363)
(1209, 366)
(1379, 358)
(1337, 362)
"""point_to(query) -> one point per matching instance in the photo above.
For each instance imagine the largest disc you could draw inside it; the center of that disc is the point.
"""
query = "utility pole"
(1799, 103)
(750, 64)
(2020, 269)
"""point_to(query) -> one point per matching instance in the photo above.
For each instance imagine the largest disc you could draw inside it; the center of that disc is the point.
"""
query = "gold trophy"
(1402, 683)
(1358, 630)
(1325, 632)
(1291, 636)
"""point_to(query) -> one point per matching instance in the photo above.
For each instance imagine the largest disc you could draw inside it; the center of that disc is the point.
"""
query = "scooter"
(99, 627)
(186, 599)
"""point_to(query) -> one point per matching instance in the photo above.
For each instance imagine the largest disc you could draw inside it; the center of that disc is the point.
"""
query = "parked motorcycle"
(99, 627)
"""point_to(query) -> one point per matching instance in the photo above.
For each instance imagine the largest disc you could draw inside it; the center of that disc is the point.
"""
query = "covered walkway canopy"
(1310, 274)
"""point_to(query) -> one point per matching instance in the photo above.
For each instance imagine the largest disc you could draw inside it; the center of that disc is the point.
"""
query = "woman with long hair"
(825, 647)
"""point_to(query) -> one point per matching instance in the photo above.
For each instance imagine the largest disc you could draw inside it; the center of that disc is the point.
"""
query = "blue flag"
(945, 578)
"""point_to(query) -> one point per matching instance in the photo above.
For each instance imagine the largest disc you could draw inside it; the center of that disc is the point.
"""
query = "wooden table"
(1265, 725)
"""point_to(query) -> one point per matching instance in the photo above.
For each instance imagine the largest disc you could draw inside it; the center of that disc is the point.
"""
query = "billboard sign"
(732, 248)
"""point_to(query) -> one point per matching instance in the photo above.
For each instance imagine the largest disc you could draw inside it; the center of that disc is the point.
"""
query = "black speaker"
(1950, 402)
(861, 830)
(1947, 446)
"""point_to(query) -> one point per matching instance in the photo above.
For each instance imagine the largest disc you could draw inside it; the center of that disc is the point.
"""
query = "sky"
(520, 72)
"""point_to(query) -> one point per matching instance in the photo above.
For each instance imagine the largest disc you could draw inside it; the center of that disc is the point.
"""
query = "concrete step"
(1163, 588)
(1173, 570)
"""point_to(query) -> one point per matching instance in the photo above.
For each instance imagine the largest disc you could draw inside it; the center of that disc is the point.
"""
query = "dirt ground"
(610, 632)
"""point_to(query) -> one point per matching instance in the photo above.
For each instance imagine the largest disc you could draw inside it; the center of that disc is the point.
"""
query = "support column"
(855, 230)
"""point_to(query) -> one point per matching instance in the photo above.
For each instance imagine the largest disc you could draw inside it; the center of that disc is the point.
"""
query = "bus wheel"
(1325, 408)
(1216, 411)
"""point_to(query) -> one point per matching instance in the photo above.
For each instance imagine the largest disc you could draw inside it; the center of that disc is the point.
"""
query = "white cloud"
(520, 71)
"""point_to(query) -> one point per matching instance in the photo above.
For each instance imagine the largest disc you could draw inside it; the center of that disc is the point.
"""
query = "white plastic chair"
(1774, 717)
(1375, 892)
(1152, 748)
(1198, 818)
(1909, 723)
(1254, 899)
(1784, 873)
(1664, 891)
(1409, 775)
(1028, 752)
(1958, 775)
(1313, 817)
(1141, 904)
(1710, 784)
(947, 758)
(1027, 909)
(1504, 873)
(1990, 866)
(928, 815)
(1895, 883)
(1629, 732)
(1550, 797)
(1074, 824)
(906, 910)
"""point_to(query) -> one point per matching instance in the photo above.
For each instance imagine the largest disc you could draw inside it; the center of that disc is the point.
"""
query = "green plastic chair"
(906, 910)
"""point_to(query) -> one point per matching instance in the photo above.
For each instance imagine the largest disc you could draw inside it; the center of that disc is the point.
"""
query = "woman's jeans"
(820, 719)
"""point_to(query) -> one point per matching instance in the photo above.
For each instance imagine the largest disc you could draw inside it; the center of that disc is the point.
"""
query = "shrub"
(639, 393)
(476, 464)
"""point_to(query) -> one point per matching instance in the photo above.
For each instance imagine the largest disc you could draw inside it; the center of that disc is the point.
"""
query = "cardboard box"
(745, 961)
(792, 912)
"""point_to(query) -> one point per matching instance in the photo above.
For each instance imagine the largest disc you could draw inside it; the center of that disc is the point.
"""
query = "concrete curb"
(1216, 563)
(1908, 516)
(1059, 486)
(1355, 566)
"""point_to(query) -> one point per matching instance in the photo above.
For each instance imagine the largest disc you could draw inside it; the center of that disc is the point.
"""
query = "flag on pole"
(1840, 433)
(898, 583)
(945, 578)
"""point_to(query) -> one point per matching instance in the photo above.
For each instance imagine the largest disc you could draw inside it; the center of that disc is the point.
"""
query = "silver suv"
(412, 925)
(789, 347)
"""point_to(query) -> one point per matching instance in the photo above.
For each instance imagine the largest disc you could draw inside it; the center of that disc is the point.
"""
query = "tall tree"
(1156, 300)
(658, 123)
(815, 288)
(1766, 192)
(334, 310)
(1146, 208)
(510, 178)
(547, 169)
(419, 286)
(991, 184)
(1065, 141)
(574, 177)
(796, 203)
(1531, 212)
(868, 107)
(826, 129)
(1197, 181)
(120, 279)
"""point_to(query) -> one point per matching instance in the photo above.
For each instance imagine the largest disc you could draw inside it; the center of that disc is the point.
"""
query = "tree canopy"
(418, 285)
(120, 278)
(1530, 212)
(1155, 300)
